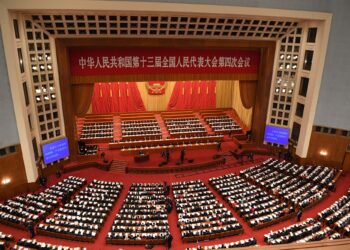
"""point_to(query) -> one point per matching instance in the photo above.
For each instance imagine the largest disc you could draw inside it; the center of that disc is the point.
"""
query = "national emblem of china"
(156, 88)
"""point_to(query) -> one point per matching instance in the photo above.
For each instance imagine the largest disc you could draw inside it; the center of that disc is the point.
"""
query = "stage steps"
(118, 166)
(163, 128)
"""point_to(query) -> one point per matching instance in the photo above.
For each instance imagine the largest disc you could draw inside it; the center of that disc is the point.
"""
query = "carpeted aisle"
(342, 186)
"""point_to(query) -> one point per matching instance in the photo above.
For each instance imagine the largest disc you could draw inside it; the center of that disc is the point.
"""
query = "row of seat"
(83, 217)
(306, 231)
(143, 216)
(337, 215)
(25, 244)
(255, 205)
(32, 207)
(299, 191)
(200, 215)
(97, 130)
(222, 123)
(235, 244)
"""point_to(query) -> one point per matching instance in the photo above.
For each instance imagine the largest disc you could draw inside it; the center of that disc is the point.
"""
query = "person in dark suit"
(182, 156)
(218, 146)
(299, 214)
(30, 227)
(167, 155)
(169, 239)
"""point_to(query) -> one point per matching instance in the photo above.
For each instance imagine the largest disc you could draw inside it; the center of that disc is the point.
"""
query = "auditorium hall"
(174, 124)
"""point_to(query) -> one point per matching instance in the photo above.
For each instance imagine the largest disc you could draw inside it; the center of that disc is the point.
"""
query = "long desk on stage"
(173, 141)
(171, 169)
(171, 147)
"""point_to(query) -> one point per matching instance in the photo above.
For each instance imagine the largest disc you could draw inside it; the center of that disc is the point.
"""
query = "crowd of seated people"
(145, 128)
(34, 207)
(338, 214)
(200, 214)
(143, 218)
(4, 240)
(222, 123)
(97, 130)
(182, 126)
(235, 244)
(252, 203)
(299, 191)
(308, 230)
(23, 244)
(322, 175)
(83, 216)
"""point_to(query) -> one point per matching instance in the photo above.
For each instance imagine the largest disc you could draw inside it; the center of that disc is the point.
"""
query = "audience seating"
(5, 239)
(143, 217)
(255, 205)
(299, 191)
(33, 244)
(235, 244)
(97, 130)
(34, 207)
(140, 129)
(223, 124)
(82, 218)
(337, 215)
(185, 126)
(308, 230)
(200, 215)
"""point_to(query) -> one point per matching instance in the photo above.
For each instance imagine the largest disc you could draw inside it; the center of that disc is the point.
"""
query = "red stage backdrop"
(109, 61)
(193, 95)
(116, 97)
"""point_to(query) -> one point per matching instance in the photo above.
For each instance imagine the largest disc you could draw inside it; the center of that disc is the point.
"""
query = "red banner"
(110, 61)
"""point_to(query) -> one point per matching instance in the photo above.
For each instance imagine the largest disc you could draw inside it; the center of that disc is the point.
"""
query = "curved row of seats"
(5, 239)
(200, 215)
(83, 217)
(24, 244)
(33, 207)
(235, 244)
(337, 215)
(306, 231)
(252, 203)
(142, 218)
(299, 191)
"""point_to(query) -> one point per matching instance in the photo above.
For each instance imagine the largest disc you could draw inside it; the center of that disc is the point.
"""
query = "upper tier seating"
(97, 130)
(308, 230)
(83, 217)
(222, 123)
(301, 192)
(143, 217)
(200, 215)
(19, 210)
(235, 244)
(338, 215)
(37, 245)
(182, 126)
(137, 128)
(255, 205)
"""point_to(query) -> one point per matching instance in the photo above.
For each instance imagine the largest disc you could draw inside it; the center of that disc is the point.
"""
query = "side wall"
(8, 131)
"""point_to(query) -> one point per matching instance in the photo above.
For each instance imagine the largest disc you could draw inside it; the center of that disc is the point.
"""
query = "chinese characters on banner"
(102, 61)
